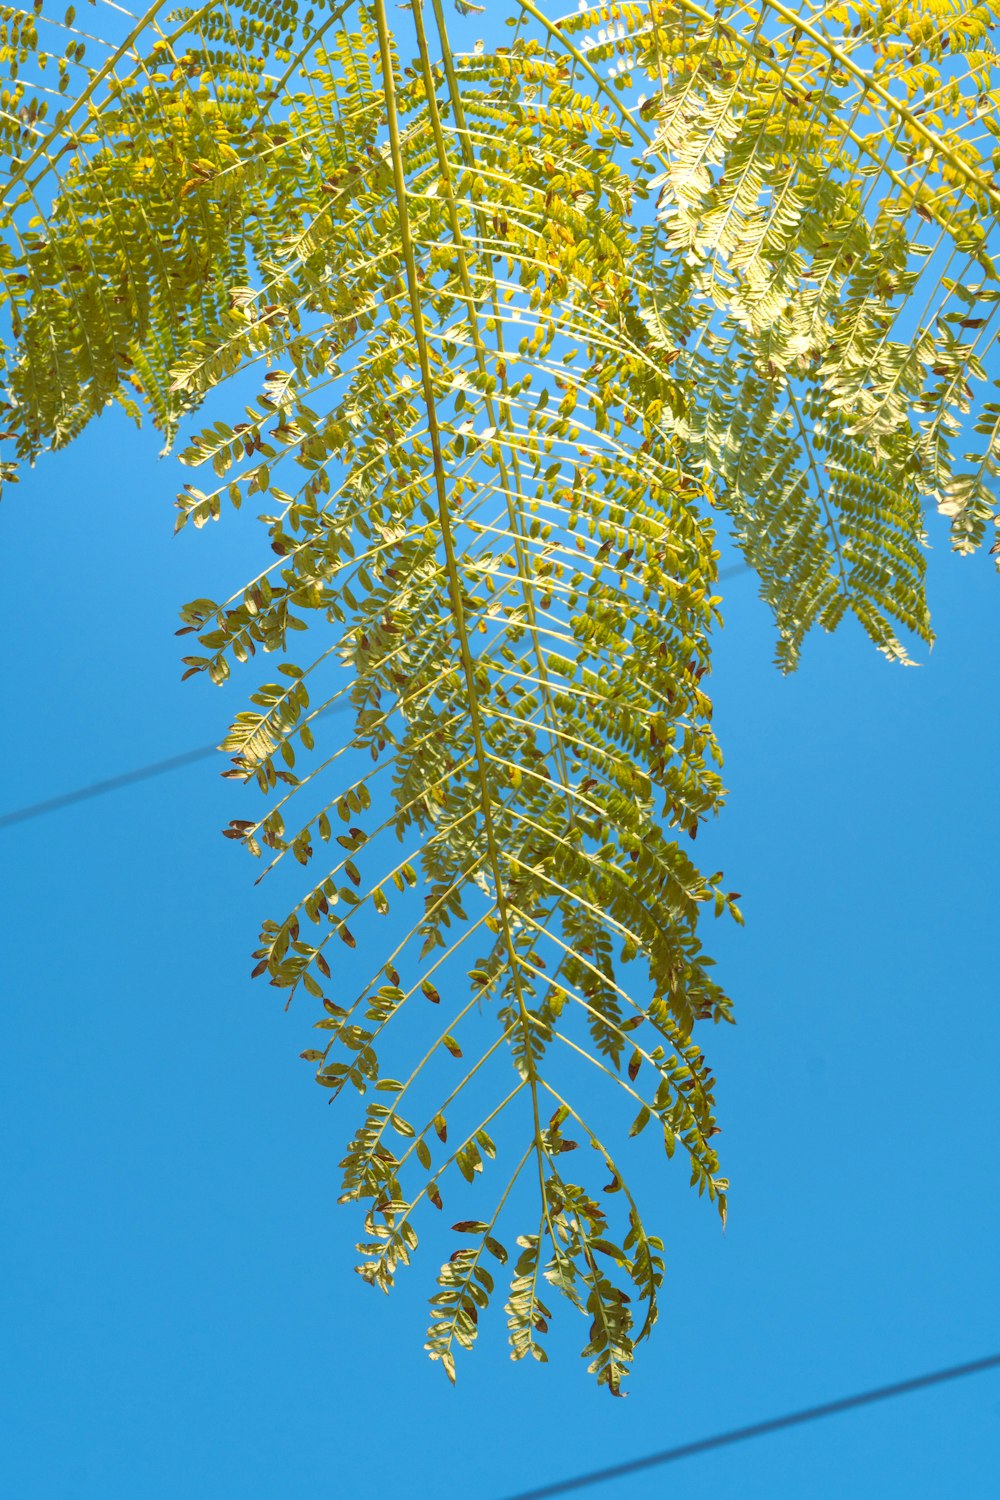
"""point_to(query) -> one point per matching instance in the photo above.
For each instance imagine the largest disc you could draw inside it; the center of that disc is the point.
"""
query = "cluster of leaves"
(515, 338)
(826, 210)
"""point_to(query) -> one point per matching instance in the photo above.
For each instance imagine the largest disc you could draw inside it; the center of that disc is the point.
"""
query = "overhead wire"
(159, 767)
(126, 778)
(760, 1429)
(102, 788)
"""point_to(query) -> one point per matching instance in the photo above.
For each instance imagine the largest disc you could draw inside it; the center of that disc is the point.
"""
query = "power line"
(101, 788)
(161, 767)
(761, 1429)
(115, 783)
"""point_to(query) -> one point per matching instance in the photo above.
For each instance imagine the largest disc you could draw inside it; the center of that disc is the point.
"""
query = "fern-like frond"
(509, 340)
(836, 231)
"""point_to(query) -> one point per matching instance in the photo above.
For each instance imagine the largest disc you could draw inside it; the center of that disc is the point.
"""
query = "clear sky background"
(178, 1312)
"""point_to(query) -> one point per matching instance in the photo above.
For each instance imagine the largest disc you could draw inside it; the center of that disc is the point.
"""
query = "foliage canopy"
(515, 338)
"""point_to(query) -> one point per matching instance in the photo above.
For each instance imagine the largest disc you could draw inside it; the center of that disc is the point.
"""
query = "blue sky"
(179, 1310)
(179, 1315)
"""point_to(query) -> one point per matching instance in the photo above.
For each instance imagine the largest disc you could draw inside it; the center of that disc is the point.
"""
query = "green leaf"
(521, 346)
